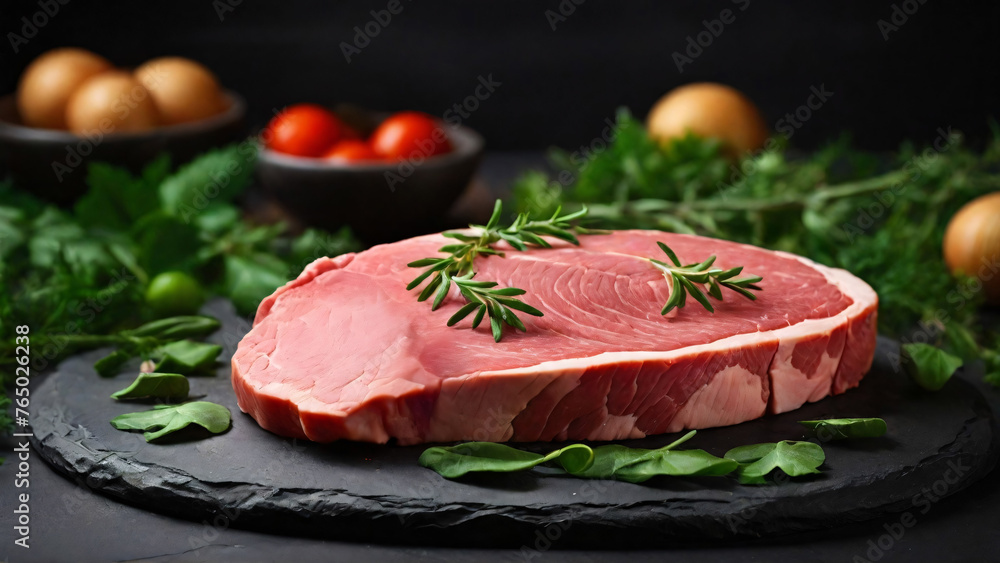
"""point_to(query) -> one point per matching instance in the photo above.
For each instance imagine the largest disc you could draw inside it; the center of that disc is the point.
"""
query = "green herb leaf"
(187, 356)
(843, 428)
(930, 366)
(165, 243)
(218, 218)
(808, 204)
(249, 280)
(758, 460)
(456, 461)
(215, 177)
(689, 463)
(992, 377)
(116, 199)
(6, 422)
(166, 419)
(636, 465)
(78, 277)
(683, 279)
(613, 461)
(163, 339)
(174, 328)
(170, 386)
(496, 304)
(111, 365)
(57, 244)
(313, 243)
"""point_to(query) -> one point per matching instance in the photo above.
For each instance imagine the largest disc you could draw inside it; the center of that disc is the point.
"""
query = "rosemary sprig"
(495, 303)
(457, 267)
(684, 278)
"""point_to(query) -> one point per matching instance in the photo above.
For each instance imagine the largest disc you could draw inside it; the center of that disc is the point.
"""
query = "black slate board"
(938, 444)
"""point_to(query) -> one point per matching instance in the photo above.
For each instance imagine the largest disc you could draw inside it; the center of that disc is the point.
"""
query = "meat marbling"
(346, 352)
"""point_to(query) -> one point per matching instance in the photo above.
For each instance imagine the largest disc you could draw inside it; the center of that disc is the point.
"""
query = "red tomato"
(410, 135)
(351, 150)
(304, 130)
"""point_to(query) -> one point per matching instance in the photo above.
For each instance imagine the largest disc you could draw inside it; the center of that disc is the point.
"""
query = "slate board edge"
(392, 519)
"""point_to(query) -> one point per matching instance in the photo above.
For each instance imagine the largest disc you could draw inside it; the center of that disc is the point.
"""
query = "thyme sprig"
(684, 278)
(496, 304)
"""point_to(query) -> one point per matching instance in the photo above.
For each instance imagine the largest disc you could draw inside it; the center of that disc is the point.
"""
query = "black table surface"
(68, 522)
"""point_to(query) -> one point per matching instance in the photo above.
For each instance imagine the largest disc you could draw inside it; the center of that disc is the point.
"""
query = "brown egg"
(711, 111)
(183, 90)
(113, 102)
(50, 80)
(972, 244)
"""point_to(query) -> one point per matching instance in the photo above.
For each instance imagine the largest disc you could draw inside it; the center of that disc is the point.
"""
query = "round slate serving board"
(938, 443)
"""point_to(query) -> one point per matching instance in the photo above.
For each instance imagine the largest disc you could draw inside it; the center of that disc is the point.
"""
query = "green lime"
(174, 293)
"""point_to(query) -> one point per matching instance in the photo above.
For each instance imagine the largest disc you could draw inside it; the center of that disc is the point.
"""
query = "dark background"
(939, 69)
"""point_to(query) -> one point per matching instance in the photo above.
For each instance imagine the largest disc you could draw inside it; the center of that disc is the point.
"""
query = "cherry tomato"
(410, 135)
(174, 293)
(351, 150)
(304, 130)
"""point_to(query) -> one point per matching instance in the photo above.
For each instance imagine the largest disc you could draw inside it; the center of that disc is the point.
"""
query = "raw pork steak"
(346, 352)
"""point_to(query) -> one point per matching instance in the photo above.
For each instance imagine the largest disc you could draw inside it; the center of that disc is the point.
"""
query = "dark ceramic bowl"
(52, 164)
(381, 202)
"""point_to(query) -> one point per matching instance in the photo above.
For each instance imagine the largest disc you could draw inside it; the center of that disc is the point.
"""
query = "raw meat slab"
(346, 352)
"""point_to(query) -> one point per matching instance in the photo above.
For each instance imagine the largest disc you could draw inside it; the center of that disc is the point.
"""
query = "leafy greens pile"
(75, 275)
(883, 221)
(750, 464)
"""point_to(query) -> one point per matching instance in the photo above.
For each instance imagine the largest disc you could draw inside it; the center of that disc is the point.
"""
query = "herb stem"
(690, 278)
(495, 304)
(642, 207)
(680, 440)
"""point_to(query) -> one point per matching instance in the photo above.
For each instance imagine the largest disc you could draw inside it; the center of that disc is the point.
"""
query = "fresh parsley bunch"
(881, 218)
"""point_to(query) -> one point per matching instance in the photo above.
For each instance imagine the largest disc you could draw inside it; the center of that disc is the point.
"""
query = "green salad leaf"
(929, 366)
(612, 461)
(751, 463)
(756, 461)
(636, 465)
(843, 428)
(166, 419)
(170, 386)
(456, 461)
